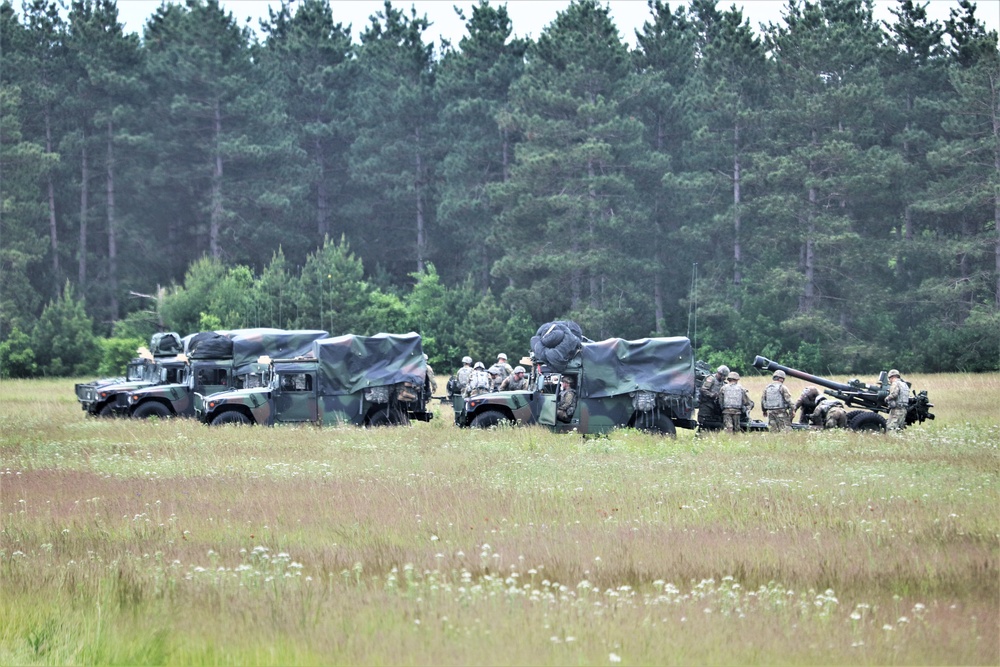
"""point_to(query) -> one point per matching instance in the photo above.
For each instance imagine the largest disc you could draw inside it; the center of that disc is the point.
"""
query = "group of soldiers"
(723, 390)
(475, 379)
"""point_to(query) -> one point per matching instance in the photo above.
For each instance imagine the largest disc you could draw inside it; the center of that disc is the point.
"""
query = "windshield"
(136, 371)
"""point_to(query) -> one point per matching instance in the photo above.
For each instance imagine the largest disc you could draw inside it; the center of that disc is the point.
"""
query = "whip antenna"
(693, 307)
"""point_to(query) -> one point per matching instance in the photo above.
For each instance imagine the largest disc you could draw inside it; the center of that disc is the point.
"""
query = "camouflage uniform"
(432, 385)
(829, 413)
(515, 382)
(462, 377)
(836, 416)
(503, 366)
(734, 399)
(479, 382)
(566, 405)
(807, 403)
(898, 401)
(708, 402)
(776, 402)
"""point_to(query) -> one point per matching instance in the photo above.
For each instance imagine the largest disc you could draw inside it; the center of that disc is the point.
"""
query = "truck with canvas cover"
(217, 361)
(157, 364)
(361, 380)
(646, 384)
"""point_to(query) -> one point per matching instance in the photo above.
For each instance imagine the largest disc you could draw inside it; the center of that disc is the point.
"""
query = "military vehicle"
(870, 398)
(376, 380)
(217, 361)
(157, 364)
(646, 384)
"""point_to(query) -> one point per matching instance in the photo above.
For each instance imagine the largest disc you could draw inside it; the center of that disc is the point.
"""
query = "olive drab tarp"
(245, 346)
(616, 366)
(353, 363)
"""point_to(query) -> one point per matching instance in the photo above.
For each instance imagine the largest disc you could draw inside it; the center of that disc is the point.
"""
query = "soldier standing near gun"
(734, 399)
(479, 381)
(776, 403)
(708, 402)
(898, 401)
(807, 403)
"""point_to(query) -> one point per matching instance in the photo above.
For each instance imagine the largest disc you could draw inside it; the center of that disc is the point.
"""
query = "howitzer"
(870, 399)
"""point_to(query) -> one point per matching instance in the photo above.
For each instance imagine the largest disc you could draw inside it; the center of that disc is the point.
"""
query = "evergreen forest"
(824, 191)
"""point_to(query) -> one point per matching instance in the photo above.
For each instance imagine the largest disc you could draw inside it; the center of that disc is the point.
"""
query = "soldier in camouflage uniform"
(708, 402)
(898, 401)
(430, 380)
(776, 403)
(829, 413)
(566, 405)
(461, 377)
(479, 382)
(503, 367)
(734, 399)
(806, 403)
(516, 381)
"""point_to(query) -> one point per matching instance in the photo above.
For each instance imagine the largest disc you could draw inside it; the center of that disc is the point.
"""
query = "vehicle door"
(295, 396)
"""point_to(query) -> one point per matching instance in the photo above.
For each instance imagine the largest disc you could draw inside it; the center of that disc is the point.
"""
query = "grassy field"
(168, 542)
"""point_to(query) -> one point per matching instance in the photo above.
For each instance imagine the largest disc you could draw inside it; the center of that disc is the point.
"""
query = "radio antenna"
(693, 307)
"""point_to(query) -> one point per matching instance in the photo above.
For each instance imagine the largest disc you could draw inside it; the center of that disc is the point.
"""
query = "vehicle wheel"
(862, 420)
(106, 412)
(655, 422)
(388, 417)
(232, 417)
(152, 409)
(490, 419)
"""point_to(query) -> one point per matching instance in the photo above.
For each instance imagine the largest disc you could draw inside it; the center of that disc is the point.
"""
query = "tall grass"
(151, 542)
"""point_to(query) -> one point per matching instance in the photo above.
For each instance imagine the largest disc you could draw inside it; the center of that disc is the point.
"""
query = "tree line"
(824, 191)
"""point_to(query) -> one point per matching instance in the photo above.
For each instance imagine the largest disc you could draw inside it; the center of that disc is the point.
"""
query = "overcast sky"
(528, 17)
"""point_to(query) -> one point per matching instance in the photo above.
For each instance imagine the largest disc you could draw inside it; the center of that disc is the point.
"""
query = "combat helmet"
(519, 369)
(894, 373)
(778, 375)
(733, 376)
(466, 360)
(722, 370)
(479, 366)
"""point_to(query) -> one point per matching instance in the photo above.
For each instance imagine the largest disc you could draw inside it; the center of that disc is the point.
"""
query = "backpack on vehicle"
(643, 401)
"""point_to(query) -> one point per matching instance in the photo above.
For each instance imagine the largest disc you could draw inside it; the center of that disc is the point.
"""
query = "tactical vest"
(903, 397)
(732, 397)
(462, 376)
(773, 400)
(479, 380)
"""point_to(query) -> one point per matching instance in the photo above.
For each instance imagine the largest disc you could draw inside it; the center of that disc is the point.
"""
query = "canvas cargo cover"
(250, 344)
(616, 366)
(245, 346)
(353, 363)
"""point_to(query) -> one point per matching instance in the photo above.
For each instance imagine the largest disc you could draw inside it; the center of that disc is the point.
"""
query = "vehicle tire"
(106, 412)
(490, 419)
(862, 420)
(152, 409)
(655, 422)
(232, 417)
(386, 416)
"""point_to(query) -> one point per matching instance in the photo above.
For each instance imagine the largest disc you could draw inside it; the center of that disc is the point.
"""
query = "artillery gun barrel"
(765, 364)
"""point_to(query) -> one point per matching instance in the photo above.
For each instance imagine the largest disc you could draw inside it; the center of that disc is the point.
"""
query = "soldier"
(776, 403)
(829, 413)
(734, 399)
(503, 366)
(479, 381)
(807, 403)
(566, 405)
(708, 403)
(515, 381)
(461, 377)
(430, 381)
(898, 401)
(496, 378)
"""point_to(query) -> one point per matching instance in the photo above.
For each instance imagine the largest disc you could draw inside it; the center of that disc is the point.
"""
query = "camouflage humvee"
(216, 361)
(376, 380)
(103, 397)
(646, 384)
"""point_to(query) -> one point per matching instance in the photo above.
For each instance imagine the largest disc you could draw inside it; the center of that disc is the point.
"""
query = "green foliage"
(64, 338)
(116, 353)
(17, 359)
